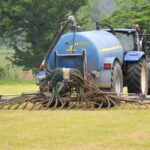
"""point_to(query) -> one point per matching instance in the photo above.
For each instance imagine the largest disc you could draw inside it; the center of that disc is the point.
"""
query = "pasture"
(114, 129)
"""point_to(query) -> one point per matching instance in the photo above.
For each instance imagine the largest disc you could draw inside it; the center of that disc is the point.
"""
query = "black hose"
(105, 24)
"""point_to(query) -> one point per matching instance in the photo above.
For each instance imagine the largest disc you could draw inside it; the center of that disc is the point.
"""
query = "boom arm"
(72, 20)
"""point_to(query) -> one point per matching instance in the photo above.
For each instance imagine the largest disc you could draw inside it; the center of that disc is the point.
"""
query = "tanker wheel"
(116, 78)
(116, 82)
(137, 77)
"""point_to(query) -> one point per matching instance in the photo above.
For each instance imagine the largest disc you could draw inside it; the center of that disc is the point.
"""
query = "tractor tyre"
(116, 78)
(137, 77)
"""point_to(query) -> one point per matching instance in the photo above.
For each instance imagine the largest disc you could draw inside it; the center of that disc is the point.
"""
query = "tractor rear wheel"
(116, 78)
(137, 77)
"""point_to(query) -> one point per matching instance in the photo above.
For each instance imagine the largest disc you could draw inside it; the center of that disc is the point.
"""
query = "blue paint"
(41, 75)
(134, 56)
(101, 47)
(109, 60)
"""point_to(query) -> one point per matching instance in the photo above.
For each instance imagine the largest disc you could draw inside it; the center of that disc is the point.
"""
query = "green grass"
(17, 86)
(115, 129)
(16, 82)
(76, 129)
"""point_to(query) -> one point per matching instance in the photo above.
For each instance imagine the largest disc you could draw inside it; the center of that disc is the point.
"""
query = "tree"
(89, 14)
(93, 11)
(130, 12)
(31, 24)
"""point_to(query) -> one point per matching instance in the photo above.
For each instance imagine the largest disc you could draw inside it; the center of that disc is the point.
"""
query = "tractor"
(109, 58)
(88, 69)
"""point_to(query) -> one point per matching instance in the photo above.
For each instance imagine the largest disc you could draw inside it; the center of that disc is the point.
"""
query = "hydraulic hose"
(105, 24)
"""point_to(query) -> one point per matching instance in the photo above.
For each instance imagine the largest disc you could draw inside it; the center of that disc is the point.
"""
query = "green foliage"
(129, 13)
(2, 72)
(7, 69)
(89, 14)
(31, 24)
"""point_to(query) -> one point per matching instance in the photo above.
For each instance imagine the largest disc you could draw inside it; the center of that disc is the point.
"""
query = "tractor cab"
(133, 40)
(129, 39)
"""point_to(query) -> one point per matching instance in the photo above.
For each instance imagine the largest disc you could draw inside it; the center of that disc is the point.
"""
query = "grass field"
(17, 86)
(115, 129)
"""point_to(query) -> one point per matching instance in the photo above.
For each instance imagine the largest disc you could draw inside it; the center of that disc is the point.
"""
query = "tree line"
(30, 25)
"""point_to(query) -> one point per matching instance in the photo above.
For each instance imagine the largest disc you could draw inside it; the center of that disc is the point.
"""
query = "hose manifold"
(66, 73)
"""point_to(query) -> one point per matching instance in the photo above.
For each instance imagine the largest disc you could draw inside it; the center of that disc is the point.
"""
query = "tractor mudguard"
(134, 56)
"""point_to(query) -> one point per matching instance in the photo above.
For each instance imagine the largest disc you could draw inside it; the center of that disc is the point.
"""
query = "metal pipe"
(105, 24)
(72, 20)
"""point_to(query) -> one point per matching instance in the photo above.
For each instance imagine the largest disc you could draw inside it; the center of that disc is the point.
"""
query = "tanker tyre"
(116, 82)
(137, 77)
(116, 78)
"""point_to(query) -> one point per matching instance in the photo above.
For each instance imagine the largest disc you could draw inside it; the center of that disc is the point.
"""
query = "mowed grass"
(114, 129)
(17, 86)
(75, 129)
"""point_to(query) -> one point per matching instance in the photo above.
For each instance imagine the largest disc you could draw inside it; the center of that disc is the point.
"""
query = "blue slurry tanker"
(89, 70)
(108, 58)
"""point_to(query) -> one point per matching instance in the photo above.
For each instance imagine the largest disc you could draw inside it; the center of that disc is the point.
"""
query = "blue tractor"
(108, 58)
